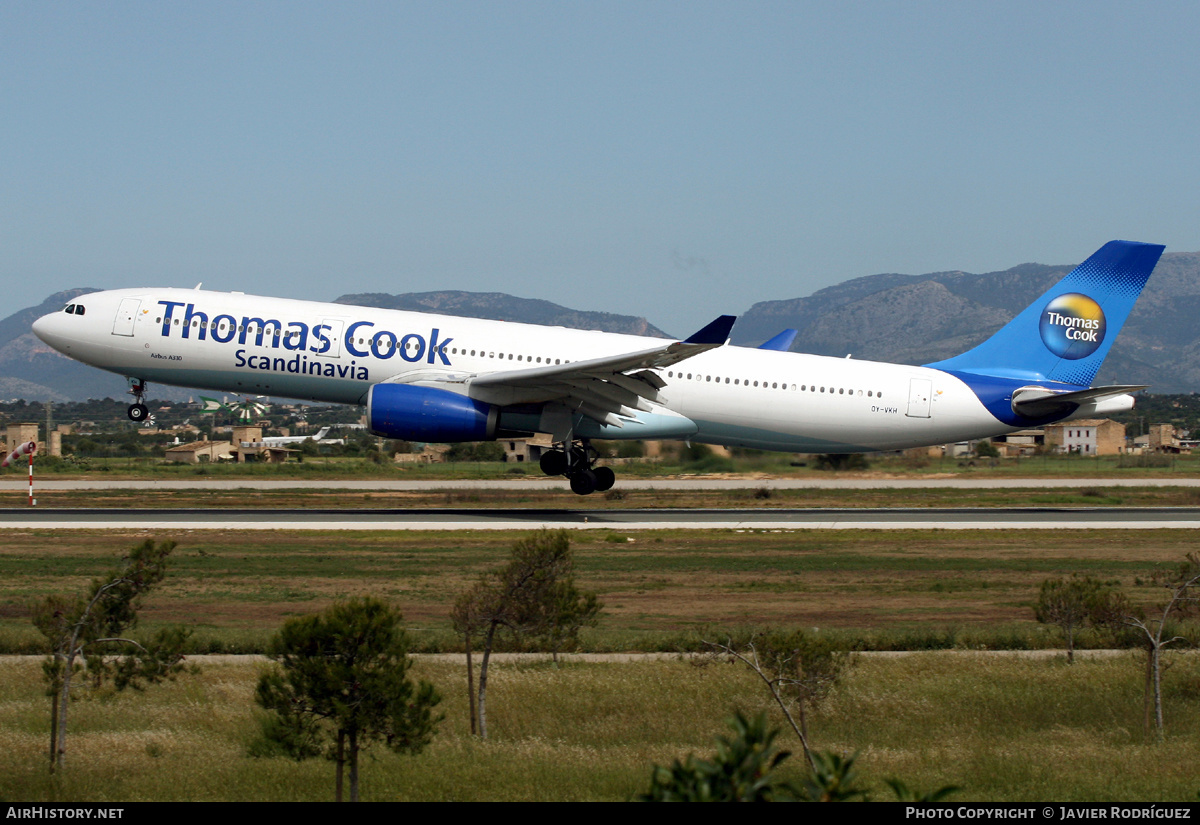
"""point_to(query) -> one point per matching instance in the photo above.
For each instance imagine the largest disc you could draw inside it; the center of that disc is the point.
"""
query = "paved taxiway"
(1144, 518)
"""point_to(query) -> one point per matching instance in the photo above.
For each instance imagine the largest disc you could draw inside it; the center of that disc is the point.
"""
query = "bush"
(476, 451)
(839, 462)
(986, 449)
(631, 449)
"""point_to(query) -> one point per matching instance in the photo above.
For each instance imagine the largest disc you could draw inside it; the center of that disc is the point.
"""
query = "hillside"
(919, 319)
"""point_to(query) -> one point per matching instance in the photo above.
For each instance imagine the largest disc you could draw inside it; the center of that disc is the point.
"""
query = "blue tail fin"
(1065, 334)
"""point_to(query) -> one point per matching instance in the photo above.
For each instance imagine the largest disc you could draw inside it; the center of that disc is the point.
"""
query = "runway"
(19, 483)
(1099, 518)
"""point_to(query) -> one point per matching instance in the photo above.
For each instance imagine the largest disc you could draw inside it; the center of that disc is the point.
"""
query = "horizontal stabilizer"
(1038, 402)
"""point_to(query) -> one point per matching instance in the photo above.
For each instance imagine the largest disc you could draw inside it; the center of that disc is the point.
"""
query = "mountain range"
(916, 319)
(912, 319)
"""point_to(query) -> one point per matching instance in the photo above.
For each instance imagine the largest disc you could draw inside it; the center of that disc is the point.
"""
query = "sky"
(675, 160)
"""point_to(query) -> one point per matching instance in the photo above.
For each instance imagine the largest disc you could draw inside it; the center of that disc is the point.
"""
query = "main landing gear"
(138, 411)
(578, 464)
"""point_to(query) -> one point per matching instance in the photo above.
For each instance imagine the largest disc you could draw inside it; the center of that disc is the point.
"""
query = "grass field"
(906, 589)
(1001, 727)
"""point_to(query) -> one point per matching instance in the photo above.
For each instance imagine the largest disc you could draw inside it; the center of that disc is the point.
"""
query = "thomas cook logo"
(1072, 326)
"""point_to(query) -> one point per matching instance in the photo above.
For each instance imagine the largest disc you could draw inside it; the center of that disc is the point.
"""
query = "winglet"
(781, 342)
(716, 333)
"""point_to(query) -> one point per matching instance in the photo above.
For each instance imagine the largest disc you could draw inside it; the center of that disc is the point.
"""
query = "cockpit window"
(79, 309)
(74, 309)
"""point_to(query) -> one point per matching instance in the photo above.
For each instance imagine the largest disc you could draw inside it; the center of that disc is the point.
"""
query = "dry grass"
(236, 588)
(1005, 728)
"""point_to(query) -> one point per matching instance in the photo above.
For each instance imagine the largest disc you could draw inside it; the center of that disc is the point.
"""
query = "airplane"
(284, 440)
(433, 378)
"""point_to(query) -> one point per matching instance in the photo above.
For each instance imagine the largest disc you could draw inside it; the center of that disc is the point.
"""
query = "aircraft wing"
(607, 389)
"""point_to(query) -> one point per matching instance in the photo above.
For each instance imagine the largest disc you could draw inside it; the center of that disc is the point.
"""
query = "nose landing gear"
(138, 411)
(577, 462)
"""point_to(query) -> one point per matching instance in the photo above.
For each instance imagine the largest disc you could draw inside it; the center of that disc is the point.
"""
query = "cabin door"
(126, 314)
(919, 392)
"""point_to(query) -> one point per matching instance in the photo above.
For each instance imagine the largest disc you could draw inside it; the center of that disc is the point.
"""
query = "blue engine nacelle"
(413, 413)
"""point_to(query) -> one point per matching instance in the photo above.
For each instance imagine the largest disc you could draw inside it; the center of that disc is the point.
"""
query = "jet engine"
(412, 413)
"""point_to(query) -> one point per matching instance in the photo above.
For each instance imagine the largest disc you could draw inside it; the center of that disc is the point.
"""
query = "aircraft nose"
(49, 329)
(42, 326)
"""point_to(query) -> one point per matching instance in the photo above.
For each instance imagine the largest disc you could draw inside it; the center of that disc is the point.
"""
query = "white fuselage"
(334, 353)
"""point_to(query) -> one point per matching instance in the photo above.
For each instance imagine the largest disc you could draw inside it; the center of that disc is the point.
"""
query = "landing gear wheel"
(137, 410)
(577, 461)
(583, 483)
(605, 478)
(554, 463)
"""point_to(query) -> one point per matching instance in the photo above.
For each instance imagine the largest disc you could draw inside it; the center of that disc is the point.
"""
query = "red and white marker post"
(28, 448)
